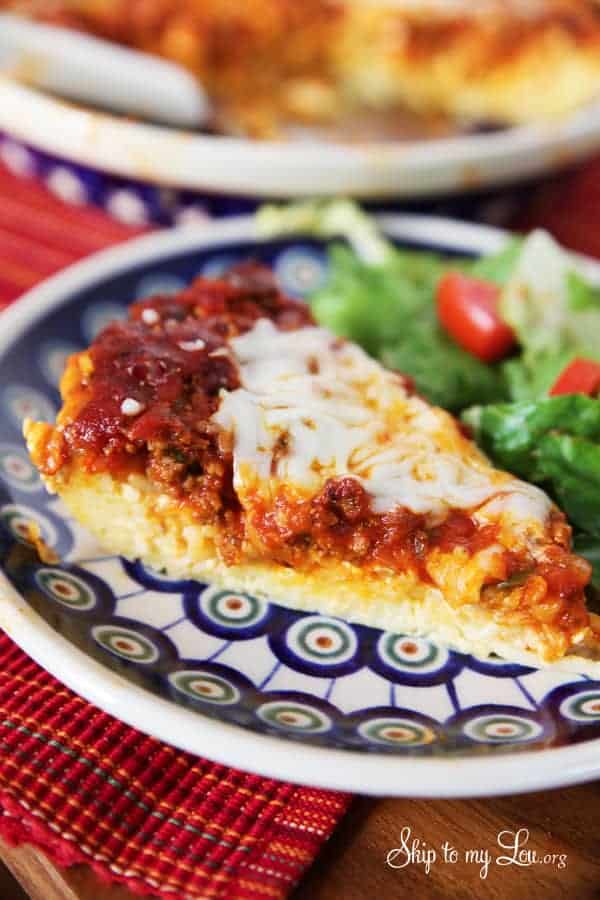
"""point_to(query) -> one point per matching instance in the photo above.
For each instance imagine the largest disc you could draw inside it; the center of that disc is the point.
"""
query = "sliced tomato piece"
(582, 376)
(468, 310)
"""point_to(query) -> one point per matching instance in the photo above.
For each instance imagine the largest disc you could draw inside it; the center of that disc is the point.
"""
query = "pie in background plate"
(372, 68)
(220, 435)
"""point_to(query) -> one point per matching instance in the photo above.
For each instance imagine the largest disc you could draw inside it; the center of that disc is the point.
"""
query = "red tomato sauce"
(169, 357)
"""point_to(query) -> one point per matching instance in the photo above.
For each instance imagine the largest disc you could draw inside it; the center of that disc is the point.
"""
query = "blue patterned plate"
(226, 675)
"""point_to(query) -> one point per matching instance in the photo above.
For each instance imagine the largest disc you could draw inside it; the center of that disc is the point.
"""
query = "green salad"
(510, 342)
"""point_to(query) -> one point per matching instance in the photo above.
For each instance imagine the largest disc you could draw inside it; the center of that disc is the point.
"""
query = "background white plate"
(268, 169)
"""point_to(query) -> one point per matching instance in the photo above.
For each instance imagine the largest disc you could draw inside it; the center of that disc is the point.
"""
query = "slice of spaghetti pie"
(219, 434)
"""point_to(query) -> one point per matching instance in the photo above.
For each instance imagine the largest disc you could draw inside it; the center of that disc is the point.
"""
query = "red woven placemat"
(83, 786)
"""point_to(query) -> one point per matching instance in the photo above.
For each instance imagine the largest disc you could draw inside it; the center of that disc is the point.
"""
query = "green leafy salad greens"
(403, 332)
(383, 298)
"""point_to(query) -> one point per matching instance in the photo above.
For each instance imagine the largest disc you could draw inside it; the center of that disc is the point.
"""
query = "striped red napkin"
(39, 234)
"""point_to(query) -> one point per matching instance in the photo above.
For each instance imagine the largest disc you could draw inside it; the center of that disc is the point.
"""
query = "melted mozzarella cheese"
(311, 407)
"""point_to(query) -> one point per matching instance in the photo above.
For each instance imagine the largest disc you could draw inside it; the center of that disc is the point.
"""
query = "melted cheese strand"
(311, 407)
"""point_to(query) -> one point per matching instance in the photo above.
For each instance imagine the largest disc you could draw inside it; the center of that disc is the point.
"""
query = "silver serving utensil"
(100, 74)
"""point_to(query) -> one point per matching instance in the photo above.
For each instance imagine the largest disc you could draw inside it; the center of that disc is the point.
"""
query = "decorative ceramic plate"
(85, 142)
(229, 676)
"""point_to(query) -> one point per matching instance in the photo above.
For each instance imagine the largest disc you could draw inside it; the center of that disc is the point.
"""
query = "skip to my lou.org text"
(512, 848)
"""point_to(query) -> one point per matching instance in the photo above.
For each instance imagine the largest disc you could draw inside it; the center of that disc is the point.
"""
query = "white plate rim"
(204, 163)
(374, 773)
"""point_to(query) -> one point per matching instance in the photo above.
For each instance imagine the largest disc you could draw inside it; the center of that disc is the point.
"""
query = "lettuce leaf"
(531, 375)
(373, 304)
(389, 310)
(327, 219)
(554, 442)
(554, 311)
(441, 371)
(498, 267)
(534, 300)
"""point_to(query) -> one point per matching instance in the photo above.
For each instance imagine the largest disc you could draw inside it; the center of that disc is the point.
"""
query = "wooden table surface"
(564, 823)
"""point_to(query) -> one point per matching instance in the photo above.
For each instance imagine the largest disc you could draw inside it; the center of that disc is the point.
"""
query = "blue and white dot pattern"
(294, 717)
(53, 356)
(198, 684)
(322, 641)
(97, 317)
(20, 402)
(396, 732)
(17, 471)
(301, 270)
(218, 265)
(158, 283)
(318, 645)
(225, 653)
(411, 654)
(17, 157)
(66, 588)
(140, 203)
(65, 183)
(127, 206)
(582, 707)
(25, 524)
(502, 728)
(230, 614)
(127, 643)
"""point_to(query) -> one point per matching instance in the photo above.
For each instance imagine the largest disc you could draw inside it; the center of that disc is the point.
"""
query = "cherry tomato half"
(582, 376)
(468, 310)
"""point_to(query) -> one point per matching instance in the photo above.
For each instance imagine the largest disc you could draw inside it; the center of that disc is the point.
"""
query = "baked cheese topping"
(311, 407)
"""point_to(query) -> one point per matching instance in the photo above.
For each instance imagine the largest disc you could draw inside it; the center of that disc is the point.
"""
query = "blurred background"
(173, 111)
